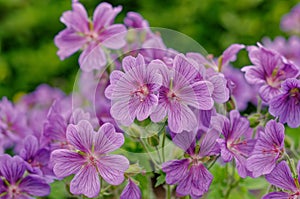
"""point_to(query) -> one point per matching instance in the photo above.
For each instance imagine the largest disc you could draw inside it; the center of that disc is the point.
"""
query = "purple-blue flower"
(36, 158)
(15, 185)
(88, 158)
(237, 142)
(131, 191)
(13, 125)
(133, 93)
(179, 92)
(269, 147)
(286, 105)
(190, 174)
(90, 36)
(268, 71)
(282, 178)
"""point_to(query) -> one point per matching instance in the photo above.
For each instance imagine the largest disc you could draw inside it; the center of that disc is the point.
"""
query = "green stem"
(163, 146)
(168, 196)
(149, 153)
(214, 161)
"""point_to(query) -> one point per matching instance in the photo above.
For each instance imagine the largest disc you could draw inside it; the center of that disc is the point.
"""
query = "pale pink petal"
(114, 36)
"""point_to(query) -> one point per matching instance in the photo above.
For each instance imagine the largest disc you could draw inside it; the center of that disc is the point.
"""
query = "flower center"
(142, 92)
(92, 160)
(14, 191)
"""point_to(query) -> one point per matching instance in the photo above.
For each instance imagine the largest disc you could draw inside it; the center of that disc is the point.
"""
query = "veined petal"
(76, 19)
(34, 185)
(112, 168)
(261, 164)
(30, 147)
(86, 182)
(114, 36)
(197, 95)
(107, 139)
(104, 15)
(66, 162)
(93, 57)
(12, 168)
(175, 170)
(181, 117)
(81, 135)
(276, 195)
(68, 42)
(282, 177)
(131, 191)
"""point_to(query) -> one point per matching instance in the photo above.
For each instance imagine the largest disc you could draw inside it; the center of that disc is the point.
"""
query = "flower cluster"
(135, 92)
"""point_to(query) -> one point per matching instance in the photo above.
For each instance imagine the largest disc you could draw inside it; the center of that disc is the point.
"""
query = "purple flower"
(13, 124)
(290, 48)
(131, 191)
(239, 88)
(13, 183)
(190, 174)
(291, 21)
(287, 104)
(89, 158)
(268, 149)
(91, 36)
(135, 20)
(268, 71)
(133, 93)
(237, 142)
(179, 92)
(282, 177)
(36, 158)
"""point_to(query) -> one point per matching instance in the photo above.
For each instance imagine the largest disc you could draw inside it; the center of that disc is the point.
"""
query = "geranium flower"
(267, 150)
(89, 158)
(90, 36)
(287, 104)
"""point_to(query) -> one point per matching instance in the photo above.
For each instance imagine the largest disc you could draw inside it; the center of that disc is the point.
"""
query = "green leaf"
(160, 179)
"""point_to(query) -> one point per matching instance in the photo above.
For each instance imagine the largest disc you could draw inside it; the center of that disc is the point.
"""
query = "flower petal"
(104, 15)
(175, 170)
(282, 177)
(276, 195)
(86, 182)
(81, 135)
(131, 191)
(107, 139)
(114, 36)
(34, 185)
(12, 168)
(66, 162)
(112, 168)
(93, 57)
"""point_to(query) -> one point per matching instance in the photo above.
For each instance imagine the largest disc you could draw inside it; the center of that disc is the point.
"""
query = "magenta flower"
(282, 177)
(190, 174)
(13, 183)
(133, 93)
(267, 150)
(237, 142)
(131, 191)
(90, 36)
(89, 158)
(268, 71)
(287, 104)
(179, 92)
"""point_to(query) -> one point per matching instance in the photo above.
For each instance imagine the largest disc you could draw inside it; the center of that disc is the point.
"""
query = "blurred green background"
(27, 28)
